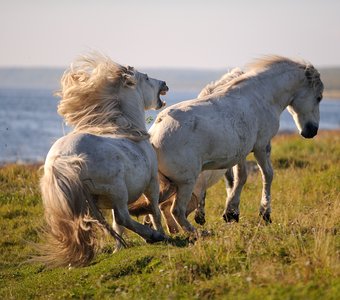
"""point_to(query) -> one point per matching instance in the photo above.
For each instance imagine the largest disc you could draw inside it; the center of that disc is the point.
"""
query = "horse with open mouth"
(218, 131)
(106, 162)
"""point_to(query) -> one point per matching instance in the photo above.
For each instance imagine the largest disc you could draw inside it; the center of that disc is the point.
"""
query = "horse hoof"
(230, 217)
(266, 217)
(156, 237)
(200, 219)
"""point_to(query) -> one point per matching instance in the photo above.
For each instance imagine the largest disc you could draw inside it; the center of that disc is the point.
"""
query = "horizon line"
(147, 67)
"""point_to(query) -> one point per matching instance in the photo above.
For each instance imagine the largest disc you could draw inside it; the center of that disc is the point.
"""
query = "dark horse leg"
(263, 159)
(234, 188)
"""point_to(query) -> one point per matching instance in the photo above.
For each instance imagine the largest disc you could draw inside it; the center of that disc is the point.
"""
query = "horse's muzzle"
(310, 130)
(162, 91)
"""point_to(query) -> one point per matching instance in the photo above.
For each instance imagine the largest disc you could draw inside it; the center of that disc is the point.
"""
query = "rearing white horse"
(218, 131)
(106, 162)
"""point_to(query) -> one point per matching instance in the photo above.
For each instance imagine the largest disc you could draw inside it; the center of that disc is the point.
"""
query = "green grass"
(296, 257)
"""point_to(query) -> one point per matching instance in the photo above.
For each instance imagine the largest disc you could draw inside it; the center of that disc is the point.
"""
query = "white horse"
(205, 179)
(106, 162)
(218, 131)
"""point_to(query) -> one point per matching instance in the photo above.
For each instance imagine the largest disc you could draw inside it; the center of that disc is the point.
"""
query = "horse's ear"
(129, 78)
(309, 73)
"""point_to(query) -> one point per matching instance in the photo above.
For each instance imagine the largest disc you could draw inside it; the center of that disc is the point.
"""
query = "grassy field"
(296, 257)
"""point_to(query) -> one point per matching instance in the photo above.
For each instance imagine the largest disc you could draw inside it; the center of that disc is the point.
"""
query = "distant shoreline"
(332, 94)
(279, 134)
(176, 78)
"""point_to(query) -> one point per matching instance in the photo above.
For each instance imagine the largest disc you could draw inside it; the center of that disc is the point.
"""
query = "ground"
(296, 257)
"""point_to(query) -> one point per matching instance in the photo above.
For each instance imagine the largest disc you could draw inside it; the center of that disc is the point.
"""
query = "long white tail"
(72, 219)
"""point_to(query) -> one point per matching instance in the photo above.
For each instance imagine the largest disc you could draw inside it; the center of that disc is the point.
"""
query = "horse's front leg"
(170, 222)
(200, 210)
(263, 159)
(232, 211)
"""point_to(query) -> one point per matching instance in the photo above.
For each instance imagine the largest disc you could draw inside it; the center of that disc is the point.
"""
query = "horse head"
(149, 89)
(304, 106)
(100, 96)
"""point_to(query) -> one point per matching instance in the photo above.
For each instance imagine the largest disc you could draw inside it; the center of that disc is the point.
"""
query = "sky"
(209, 34)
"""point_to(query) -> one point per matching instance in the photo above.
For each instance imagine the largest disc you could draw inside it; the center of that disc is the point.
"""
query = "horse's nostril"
(310, 130)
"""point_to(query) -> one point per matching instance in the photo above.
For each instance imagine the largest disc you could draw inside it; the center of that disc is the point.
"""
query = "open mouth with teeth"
(163, 90)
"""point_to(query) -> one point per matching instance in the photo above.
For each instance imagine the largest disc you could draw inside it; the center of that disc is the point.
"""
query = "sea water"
(29, 123)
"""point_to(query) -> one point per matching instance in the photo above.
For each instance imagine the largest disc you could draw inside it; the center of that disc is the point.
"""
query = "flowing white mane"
(236, 76)
(272, 62)
(221, 84)
(90, 101)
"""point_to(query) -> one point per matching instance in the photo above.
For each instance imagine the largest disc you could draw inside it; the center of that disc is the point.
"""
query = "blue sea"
(29, 123)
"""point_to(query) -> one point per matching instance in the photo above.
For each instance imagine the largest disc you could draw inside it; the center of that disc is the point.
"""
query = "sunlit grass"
(296, 257)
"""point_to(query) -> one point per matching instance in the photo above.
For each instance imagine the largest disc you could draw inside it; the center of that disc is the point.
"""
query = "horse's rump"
(72, 219)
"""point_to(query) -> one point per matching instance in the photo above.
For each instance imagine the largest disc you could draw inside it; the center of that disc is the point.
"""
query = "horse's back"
(210, 133)
(218, 115)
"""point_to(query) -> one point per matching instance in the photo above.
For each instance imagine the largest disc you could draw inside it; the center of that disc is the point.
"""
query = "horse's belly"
(219, 163)
(105, 202)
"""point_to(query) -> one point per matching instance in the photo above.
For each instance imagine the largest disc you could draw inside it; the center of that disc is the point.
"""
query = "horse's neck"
(281, 87)
(132, 107)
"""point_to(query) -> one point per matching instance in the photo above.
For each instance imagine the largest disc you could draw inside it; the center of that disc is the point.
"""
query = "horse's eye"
(319, 98)
(146, 77)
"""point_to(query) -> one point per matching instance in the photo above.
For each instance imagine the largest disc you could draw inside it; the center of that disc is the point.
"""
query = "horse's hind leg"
(119, 229)
(152, 194)
(229, 180)
(119, 199)
(170, 222)
(179, 207)
(232, 212)
(123, 218)
(263, 159)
